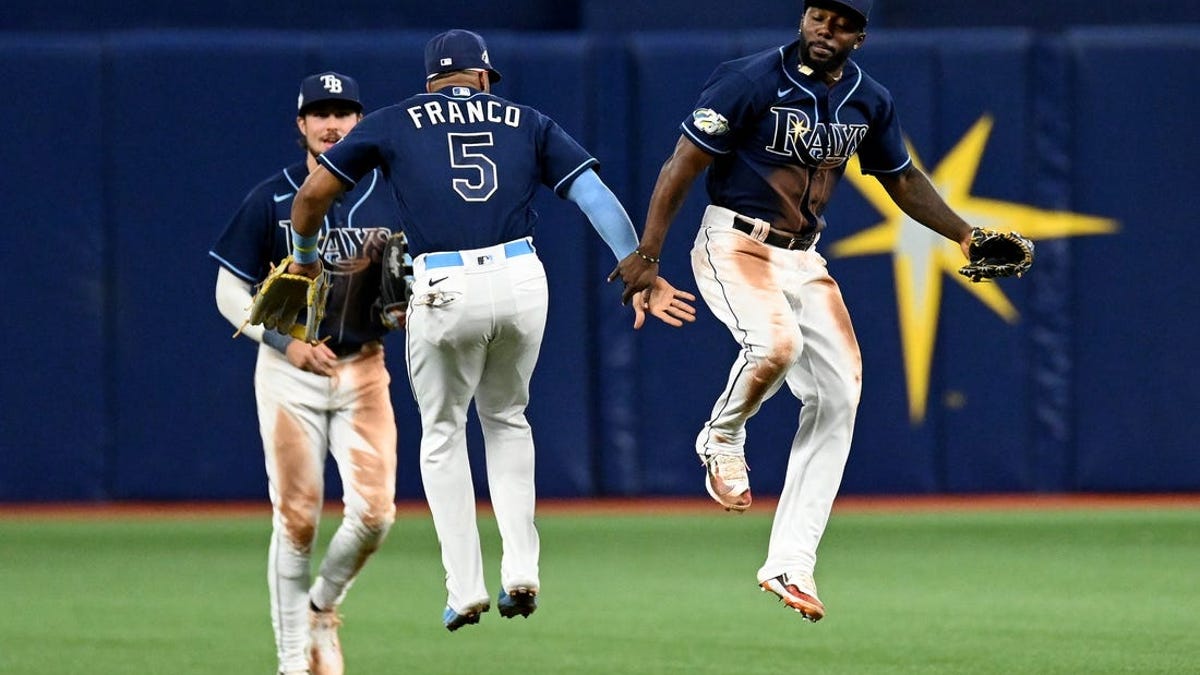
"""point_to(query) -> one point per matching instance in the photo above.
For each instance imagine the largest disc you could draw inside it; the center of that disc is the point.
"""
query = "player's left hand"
(664, 301)
(994, 254)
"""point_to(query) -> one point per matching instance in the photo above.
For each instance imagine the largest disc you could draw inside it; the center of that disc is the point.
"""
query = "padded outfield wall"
(128, 151)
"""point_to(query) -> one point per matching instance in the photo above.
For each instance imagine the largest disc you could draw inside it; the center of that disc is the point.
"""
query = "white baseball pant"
(787, 313)
(302, 416)
(475, 327)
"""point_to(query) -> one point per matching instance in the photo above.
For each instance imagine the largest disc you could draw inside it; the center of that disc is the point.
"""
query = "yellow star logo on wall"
(920, 256)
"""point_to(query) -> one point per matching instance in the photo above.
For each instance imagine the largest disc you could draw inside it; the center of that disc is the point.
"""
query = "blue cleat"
(520, 600)
(453, 620)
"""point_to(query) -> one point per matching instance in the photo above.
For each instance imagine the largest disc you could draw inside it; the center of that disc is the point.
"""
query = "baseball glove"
(997, 254)
(396, 282)
(282, 296)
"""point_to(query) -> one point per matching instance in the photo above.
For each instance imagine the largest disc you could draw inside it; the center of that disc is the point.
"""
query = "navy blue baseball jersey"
(792, 135)
(464, 165)
(351, 246)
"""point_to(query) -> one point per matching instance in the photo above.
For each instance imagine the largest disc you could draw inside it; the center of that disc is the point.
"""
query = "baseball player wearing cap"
(330, 396)
(465, 165)
(774, 131)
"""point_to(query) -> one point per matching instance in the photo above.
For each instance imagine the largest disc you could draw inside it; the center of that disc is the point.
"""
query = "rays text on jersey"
(830, 144)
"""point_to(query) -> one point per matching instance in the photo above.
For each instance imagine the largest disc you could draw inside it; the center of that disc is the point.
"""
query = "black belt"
(800, 242)
(341, 350)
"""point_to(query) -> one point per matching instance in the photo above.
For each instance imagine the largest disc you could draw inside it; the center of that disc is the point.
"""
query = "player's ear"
(862, 37)
(300, 123)
(485, 81)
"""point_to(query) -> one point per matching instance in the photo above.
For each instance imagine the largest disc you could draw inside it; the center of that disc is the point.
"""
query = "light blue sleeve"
(605, 212)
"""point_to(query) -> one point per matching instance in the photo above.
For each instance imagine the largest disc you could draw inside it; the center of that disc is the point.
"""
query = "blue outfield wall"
(134, 148)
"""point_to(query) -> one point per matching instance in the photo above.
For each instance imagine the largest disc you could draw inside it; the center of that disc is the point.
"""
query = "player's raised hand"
(666, 302)
(637, 273)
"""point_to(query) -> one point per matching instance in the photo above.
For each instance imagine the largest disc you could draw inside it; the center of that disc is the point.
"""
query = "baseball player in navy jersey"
(773, 131)
(465, 165)
(330, 396)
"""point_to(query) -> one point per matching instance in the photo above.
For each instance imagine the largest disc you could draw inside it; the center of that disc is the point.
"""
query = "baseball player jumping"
(329, 396)
(465, 165)
(773, 131)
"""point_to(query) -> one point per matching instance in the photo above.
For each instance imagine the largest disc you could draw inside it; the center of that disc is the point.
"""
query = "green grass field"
(1057, 591)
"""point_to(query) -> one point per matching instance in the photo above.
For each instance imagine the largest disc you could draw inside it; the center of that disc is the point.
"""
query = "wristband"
(279, 341)
(648, 258)
(304, 249)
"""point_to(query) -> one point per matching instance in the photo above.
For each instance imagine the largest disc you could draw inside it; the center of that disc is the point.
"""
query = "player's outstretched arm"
(604, 212)
(671, 305)
(309, 207)
(639, 269)
(915, 195)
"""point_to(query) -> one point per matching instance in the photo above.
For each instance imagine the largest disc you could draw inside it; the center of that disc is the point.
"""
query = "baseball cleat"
(453, 620)
(325, 650)
(521, 600)
(797, 592)
(727, 481)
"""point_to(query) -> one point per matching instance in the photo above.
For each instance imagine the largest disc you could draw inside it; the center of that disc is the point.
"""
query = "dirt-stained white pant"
(474, 332)
(788, 315)
(302, 416)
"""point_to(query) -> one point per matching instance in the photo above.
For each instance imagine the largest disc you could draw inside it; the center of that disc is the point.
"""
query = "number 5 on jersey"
(465, 154)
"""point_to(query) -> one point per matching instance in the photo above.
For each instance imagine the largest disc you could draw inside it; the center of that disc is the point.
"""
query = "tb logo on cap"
(331, 83)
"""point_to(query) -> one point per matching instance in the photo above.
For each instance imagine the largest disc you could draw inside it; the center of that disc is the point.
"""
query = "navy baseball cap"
(862, 8)
(457, 50)
(328, 86)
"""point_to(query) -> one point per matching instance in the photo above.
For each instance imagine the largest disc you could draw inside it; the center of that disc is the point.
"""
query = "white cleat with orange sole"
(798, 592)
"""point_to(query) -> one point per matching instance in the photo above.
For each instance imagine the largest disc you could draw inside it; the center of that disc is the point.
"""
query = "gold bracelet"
(650, 259)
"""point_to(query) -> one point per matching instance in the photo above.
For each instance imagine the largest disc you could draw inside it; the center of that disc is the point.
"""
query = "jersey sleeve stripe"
(336, 171)
(233, 268)
(898, 169)
(587, 164)
(705, 146)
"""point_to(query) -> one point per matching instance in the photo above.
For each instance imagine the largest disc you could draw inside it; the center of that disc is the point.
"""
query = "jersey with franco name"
(780, 139)
(464, 165)
(352, 239)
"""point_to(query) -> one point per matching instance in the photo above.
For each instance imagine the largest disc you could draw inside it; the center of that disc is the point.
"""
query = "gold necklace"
(807, 70)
